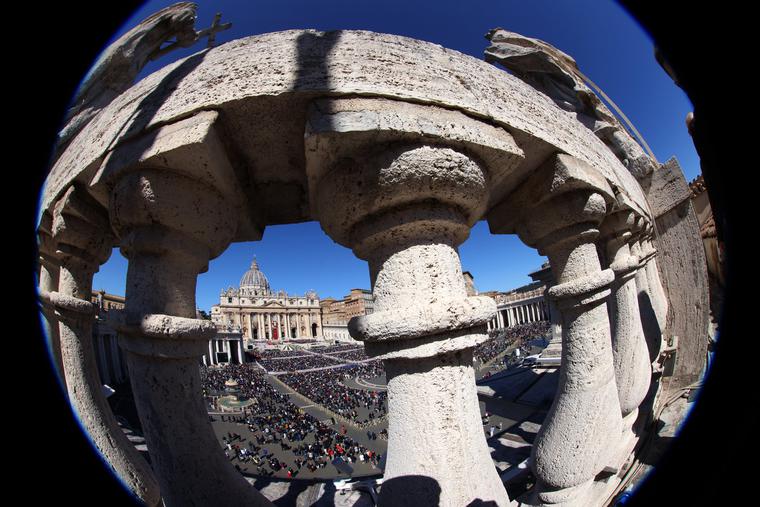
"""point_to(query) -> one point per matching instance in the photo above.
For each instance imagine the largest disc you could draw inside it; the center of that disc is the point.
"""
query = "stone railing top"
(506, 299)
(256, 80)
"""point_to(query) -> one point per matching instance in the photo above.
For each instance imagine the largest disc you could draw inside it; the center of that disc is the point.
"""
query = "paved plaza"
(513, 402)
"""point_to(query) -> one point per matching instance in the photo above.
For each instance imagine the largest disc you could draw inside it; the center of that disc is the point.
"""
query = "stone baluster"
(649, 321)
(82, 236)
(170, 224)
(558, 210)
(656, 290)
(405, 210)
(633, 370)
(48, 282)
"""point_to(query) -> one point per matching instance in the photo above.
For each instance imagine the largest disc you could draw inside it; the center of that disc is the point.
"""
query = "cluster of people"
(273, 353)
(281, 438)
(336, 348)
(251, 384)
(369, 370)
(326, 388)
(296, 363)
(356, 354)
(503, 338)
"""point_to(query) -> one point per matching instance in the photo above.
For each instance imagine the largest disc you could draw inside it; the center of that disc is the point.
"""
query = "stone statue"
(556, 74)
(120, 63)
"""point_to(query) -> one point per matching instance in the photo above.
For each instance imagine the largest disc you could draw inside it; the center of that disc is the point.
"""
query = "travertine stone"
(253, 80)
(405, 208)
(633, 369)
(681, 259)
(82, 236)
(649, 321)
(121, 62)
(170, 225)
(556, 74)
(558, 211)
(657, 292)
(48, 282)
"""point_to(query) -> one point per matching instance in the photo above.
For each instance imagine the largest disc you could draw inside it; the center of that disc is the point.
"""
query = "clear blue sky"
(608, 45)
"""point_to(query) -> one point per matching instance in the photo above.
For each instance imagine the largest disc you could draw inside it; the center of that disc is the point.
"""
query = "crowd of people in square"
(331, 349)
(356, 354)
(277, 353)
(303, 361)
(326, 388)
(273, 422)
(501, 339)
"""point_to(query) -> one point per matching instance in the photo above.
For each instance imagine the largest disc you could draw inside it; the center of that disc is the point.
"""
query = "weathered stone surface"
(48, 282)
(556, 74)
(666, 188)
(120, 63)
(558, 211)
(405, 208)
(276, 75)
(633, 369)
(368, 122)
(169, 224)
(685, 277)
(83, 243)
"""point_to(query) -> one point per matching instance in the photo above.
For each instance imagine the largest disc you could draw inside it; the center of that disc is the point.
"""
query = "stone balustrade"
(633, 369)
(558, 211)
(650, 322)
(397, 162)
(81, 235)
(657, 292)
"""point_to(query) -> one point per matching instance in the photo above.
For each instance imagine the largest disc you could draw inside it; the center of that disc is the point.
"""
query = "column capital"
(405, 209)
(46, 247)
(577, 192)
(615, 235)
(80, 230)
(402, 193)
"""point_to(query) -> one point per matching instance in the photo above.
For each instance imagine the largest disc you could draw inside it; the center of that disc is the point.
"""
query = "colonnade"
(520, 312)
(233, 349)
(286, 326)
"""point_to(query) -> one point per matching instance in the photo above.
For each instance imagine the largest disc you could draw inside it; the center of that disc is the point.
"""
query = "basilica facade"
(260, 314)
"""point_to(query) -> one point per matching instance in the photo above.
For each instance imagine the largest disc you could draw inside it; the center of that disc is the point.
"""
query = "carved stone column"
(558, 211)
(48, 282)
(82, 236)
(656, 290)
(169, 226)
(405, 209)
(649, 321)
(633, 370)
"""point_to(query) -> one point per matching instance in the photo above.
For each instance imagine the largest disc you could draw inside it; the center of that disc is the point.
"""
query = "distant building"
(108, 356)
(337, 313)
(253, 313)
(523, 304)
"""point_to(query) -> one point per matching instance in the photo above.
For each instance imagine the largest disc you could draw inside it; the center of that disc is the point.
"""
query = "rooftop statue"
(556, 74)
(121, 62)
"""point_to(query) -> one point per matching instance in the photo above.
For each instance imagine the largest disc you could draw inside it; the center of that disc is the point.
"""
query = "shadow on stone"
(313, 53)
(652, 331)
(411, 491)
(152, 102)
(294, 489)
(480, 503)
